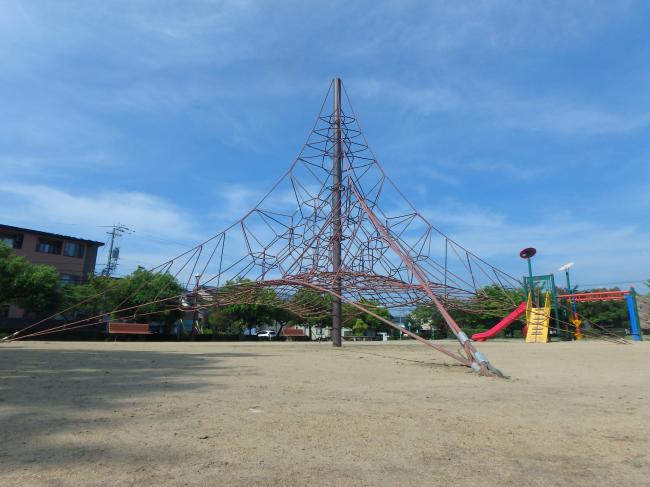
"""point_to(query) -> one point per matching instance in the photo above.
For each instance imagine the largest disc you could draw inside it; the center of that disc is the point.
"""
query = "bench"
(291, 333)
(356, 338)
(129, 329)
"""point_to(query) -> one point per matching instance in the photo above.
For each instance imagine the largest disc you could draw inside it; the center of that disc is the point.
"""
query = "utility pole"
(113, 251)
(336, 216)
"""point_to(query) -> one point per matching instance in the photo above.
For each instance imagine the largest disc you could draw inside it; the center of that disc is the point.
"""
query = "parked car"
(270, 334)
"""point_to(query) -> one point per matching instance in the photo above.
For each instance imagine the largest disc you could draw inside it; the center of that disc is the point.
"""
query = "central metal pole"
(337, 236)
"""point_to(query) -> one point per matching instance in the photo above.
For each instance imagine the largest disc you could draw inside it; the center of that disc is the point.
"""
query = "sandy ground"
(141, 413)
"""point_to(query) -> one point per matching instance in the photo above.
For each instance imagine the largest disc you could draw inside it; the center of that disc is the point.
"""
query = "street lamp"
(576, 321)
(565, 268)
(195, 325)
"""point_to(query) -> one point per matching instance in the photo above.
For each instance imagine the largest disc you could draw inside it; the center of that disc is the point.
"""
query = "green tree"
(428, 317)
(608, 314)
(285, 317)
(97, 296)
(484, 310)
(151, 296)
(259, 306)
(222, 322)
(376, 308)
(489, 306)
(359, 328)
(34, 288)
(316, 306)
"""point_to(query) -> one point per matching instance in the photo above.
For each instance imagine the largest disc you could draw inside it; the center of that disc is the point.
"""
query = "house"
(74, 258)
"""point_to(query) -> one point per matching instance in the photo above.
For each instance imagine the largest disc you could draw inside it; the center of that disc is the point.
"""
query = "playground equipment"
(501, 325)
(540, 318)
(333, 230)
(628, 296)
(537, 320)
(545, 320)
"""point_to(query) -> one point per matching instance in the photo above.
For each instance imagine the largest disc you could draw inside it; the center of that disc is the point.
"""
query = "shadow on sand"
(49, 396)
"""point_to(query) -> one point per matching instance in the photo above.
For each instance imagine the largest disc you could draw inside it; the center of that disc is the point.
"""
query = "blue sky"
(509, 124)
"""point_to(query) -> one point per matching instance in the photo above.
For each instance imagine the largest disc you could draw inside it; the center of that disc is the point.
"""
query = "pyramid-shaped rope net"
(391, 256)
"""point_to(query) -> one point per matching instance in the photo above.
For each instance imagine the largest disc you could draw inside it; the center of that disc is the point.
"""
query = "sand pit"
(141, 413)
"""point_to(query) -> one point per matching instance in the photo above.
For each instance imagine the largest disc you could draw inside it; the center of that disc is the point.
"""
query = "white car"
(270, 334)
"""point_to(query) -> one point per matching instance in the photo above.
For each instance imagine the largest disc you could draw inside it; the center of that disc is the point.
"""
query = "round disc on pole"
(527, 253)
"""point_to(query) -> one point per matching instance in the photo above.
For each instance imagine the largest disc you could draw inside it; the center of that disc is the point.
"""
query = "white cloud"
(439, 175)
(436, 27)
(235, 200)
(154, 35)
(161, 230)
(558, 116)
(425, 98)
(603, 252)
(142, 211)
(520, 172)
(87, 66)
(478, 98)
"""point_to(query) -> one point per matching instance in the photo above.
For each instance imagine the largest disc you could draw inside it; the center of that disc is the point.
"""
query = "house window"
(48, 246)
(69, 279)
(15, 241)
(73, 249)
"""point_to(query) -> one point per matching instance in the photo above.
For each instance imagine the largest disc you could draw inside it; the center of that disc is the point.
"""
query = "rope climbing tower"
(335, 226)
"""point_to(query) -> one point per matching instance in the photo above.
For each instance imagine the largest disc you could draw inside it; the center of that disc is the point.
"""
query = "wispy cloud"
(501, 26)
(156, 36)
(161, 229)
(506, 110)
(511, 170)
(439, 175)
(603, 251)
(460, 95)
(562, 117)
(426, 98)
(140, 210)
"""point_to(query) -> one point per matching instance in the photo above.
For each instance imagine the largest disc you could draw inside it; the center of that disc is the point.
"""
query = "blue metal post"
(634, 315)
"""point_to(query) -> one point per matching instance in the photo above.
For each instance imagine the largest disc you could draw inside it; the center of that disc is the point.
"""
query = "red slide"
(501, 325)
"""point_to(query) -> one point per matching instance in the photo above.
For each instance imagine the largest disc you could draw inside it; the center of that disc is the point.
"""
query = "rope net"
(392, 256)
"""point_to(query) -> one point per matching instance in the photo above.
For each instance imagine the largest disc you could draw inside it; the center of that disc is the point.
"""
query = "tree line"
(268, 309)
(37, 290)
(493, 303)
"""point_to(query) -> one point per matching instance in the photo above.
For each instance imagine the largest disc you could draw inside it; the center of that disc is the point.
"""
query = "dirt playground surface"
(143, 413)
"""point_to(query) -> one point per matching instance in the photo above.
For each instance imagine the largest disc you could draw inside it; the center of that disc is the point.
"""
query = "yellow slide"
(537, 320)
